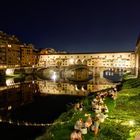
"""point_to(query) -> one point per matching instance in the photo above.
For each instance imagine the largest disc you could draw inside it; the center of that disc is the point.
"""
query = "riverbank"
(122, 121)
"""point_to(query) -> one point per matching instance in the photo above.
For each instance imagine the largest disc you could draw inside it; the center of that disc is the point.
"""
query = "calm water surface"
(29, 104)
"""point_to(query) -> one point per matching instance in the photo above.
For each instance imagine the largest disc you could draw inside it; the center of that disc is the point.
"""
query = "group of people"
(100, 109)
(80, 128)
(110, 93)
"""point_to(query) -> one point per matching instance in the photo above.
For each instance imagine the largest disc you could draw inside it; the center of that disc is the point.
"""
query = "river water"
(29, 104)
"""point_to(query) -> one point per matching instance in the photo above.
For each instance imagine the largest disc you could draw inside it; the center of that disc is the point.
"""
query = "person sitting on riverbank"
(88, 122)
(101, 117)
(112, 94)
(104, 109)
(79, 124)
(78, 106)
(76, 135)
(95, 126)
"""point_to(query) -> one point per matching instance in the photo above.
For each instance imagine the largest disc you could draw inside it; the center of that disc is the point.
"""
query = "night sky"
(73, 25)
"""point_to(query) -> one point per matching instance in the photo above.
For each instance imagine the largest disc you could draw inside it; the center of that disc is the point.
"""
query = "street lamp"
(54, 76)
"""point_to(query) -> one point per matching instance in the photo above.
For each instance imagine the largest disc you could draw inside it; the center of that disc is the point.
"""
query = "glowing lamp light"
(9, 71)
(9, 107)
(71, 61)
(9, 46)
(10, 82)
(54, 76)
(131, 123)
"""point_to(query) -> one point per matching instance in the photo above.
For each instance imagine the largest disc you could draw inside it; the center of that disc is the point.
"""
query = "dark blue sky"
(73, 25)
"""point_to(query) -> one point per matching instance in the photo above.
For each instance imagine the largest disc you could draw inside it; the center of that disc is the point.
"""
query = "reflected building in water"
(80, 89)
(16, 93)
(13, 95)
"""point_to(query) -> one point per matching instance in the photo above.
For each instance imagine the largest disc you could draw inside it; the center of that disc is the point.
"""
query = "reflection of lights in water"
(0, 119)
(9, 107)
(22, 123)
(54, 76)
(10, 82)
(50, 87)
(10, 121)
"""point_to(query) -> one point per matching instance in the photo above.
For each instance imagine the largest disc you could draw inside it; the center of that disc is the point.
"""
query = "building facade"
(50, 87)
(109, 60)
(9, 50)
(28, 55)
(13, 53)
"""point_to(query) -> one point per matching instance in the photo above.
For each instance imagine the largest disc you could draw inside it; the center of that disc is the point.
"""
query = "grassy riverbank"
(122, 123)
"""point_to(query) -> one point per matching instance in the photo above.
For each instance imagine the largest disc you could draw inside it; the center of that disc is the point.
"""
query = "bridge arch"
(77, 88)
(84, 62)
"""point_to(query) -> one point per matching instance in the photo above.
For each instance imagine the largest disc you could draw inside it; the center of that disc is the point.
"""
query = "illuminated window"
(9, 46)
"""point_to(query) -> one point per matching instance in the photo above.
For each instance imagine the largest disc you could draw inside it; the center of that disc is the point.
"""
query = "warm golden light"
(10, 82)
(71, 61)
(54, 76)
(131, 123)
(9, 71)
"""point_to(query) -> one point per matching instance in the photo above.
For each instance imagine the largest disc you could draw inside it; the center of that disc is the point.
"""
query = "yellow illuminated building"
(28, 56)
(109, 60)
(13, 53)
(51, 87)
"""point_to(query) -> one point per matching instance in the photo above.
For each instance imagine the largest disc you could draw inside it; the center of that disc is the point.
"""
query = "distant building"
(109, 60)
(9, 50)
(13, 53)
(28, 55)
